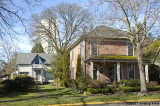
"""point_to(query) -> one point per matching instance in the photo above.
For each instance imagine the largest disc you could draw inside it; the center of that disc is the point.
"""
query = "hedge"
(138, 89)
(130, 82)
(4, 88)
(99, 90)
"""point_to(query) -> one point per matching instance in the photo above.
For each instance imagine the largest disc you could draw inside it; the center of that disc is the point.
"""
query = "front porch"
(111, 70)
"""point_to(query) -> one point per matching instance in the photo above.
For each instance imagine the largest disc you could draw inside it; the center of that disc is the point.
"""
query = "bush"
(97, 84)
(8, 83)
(99, 90)
(82, 83)
(130, 83)
(23, 82)
(154, 88)
(4, 88)
(130, 89)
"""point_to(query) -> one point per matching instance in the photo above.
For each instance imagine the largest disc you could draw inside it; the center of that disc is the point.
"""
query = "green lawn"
(65, 95)
(14, 95)
(51, 92)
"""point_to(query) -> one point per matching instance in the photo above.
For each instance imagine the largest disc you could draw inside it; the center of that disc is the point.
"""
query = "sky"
(24, 42)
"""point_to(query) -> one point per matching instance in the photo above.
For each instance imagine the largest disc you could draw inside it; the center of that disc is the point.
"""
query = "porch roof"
(115, 58)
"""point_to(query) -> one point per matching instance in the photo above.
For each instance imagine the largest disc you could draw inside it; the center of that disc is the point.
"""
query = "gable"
(38, 60)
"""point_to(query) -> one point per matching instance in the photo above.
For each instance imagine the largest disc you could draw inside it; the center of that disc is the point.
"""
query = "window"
(93, 48)
(72, 54)
(37, 61)
(130, 49)
(95, 69)
(72, 72)
(131, 70)
(24, 73)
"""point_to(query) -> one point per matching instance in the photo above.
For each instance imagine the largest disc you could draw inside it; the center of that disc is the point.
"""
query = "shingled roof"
(27, 58)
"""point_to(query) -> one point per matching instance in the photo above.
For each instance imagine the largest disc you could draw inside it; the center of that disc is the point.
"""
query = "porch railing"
(37, 66)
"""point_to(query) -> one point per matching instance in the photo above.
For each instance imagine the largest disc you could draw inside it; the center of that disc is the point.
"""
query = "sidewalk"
(40, 92)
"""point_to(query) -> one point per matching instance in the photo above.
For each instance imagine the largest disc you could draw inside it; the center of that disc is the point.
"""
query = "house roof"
(103, 32)
(27, 58)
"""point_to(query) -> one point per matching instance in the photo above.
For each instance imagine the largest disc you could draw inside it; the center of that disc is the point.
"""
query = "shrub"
(130, 82)
(23, 82)
(82, 83)
(97, 84)
(129, 89)
(8, 83)
(99, 90)
(4, 88)
(154, 88)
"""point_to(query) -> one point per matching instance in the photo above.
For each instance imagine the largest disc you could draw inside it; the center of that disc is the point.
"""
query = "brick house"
(106, 54)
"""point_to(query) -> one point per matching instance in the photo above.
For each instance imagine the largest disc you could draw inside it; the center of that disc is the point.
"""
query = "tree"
(37, 48)
(126, 15)
(78, 67)
(65, 24)
(11, 14)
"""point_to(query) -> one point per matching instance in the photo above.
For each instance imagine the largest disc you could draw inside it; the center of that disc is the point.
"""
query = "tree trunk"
(57, 83)
(141, 69)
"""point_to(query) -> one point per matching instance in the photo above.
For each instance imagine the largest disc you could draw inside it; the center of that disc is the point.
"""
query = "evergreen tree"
(37, 48)
(79, 67)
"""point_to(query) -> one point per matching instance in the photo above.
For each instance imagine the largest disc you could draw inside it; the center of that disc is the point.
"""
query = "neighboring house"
(106, 54)
(35, 65)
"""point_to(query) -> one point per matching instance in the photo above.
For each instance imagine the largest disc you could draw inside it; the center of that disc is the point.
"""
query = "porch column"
(91, 69)
(118, 71)
(42, 75)
(146, 73)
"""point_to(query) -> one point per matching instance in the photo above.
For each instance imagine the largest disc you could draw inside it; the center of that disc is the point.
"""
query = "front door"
(95, 69)
(37, 75)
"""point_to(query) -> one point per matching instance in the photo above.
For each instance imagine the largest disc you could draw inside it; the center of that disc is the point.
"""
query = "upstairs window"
(37, 61)
(130, 49)
(93, 48)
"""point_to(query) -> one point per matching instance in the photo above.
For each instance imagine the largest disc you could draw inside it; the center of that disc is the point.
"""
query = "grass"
(15, 95)
(65, 95)
(51, 92)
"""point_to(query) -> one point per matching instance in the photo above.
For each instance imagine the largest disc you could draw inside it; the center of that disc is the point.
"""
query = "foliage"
(137, 89)
(97, 84)
(154, 73)
(154, 88)
(23, 82)
(11, 66)
(130, 82)
(78, 68)
(37, 48)
(4, 88)
(99, 90)
(8, 83)
(82, 83)
(130, 89)
(60, 67)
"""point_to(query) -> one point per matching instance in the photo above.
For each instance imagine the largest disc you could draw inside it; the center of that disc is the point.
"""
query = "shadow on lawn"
(17, 95)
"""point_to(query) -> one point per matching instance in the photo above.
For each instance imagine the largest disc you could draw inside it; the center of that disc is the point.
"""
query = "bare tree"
(127, 15)
(11, 13)
(65, 23)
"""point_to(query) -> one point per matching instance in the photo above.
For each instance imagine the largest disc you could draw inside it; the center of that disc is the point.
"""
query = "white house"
(35, 65)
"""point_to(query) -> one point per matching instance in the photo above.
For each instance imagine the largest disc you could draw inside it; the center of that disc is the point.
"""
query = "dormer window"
(37, 61)
(130, 49)
(93, 48)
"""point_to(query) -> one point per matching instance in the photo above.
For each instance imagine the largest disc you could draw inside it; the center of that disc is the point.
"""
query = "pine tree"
(79, 67)
(37, 48)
